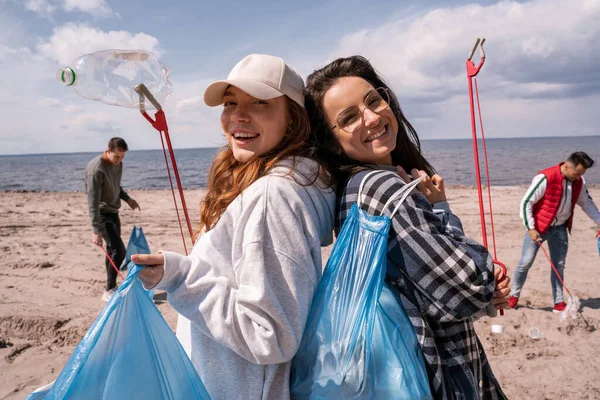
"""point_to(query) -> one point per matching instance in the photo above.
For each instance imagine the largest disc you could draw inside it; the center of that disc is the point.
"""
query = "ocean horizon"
(512, 161)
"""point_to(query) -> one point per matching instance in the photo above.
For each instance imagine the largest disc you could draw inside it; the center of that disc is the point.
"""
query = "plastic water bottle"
(110, 76)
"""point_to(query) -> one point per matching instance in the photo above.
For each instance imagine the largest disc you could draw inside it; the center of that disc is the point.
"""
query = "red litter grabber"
(472, 71)
(160, 124)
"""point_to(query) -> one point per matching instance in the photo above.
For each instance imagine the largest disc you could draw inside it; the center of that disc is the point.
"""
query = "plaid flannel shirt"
(441, 277)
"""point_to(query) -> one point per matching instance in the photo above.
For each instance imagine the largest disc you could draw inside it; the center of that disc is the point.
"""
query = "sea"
(512, 161)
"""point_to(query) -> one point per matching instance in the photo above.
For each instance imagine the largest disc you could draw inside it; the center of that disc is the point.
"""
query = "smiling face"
(374, 140)
(252, 126)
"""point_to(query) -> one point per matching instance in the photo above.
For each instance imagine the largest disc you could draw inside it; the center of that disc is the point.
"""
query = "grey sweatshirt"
(103, 188)
(248, 284)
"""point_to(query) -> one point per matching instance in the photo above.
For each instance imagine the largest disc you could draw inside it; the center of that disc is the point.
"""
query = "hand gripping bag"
(358, 342)
(130, 353)
(137, 244)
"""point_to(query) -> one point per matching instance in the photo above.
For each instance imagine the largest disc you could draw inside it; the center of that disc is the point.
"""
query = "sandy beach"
(52, 278)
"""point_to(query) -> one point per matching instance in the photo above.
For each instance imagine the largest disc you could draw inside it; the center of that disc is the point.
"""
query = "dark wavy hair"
(407, 153)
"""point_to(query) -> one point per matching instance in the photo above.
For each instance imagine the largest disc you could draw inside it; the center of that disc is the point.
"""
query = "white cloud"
(49, 102)
(43, 8)
(13, 32)
(540, 76)
(192, 122)
(189, 103)
(92, 121)
(73, 109)
(22, 71)
(72, 40)
(46, 8)
(93, 7)
(548, 42)
(72, 123)
(42, 116)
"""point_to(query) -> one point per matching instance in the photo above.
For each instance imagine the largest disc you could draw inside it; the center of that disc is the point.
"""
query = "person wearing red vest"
(547, 212)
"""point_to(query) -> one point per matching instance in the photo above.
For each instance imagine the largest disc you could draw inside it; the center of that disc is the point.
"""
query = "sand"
(52, 278)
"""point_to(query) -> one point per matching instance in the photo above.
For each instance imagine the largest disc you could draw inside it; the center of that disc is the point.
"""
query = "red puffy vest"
(545, 210)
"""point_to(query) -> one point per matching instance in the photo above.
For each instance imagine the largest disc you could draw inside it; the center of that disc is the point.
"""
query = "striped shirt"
(537, 190)
(442, 279)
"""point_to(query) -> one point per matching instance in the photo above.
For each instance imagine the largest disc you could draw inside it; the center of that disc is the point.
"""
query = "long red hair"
(228, 178)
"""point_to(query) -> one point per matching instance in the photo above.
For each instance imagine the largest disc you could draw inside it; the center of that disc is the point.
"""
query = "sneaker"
(108, 294)
(512, 301)
(559, 307)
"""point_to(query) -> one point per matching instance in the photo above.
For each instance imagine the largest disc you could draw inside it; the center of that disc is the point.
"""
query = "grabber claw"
(473, 70)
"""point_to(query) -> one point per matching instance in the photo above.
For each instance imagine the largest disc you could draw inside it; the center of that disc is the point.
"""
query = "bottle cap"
(66, 76)
(535, 333)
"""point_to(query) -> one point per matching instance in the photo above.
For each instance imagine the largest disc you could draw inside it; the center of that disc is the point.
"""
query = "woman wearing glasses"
(441, 277)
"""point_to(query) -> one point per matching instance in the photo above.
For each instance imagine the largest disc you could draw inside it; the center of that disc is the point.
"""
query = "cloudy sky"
(541, 77)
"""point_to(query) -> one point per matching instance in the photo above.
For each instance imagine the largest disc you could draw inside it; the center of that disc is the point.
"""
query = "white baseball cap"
(259, 75)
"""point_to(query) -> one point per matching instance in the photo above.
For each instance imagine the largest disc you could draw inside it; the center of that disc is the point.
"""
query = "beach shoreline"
(53, 277)
(448, 186)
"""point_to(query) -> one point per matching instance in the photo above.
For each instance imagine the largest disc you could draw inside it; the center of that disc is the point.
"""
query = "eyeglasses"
(351, 120)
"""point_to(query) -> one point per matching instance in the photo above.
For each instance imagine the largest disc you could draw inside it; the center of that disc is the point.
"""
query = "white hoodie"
(248, 284)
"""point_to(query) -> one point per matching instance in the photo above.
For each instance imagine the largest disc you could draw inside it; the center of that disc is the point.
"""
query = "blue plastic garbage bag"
(358, 342)
(137, 244)
(130, 353)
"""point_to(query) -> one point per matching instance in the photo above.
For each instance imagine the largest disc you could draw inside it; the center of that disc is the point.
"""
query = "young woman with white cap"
(245, 290)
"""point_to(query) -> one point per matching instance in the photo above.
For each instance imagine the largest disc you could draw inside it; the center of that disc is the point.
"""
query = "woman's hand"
(431, 187)
(154, 271)
(501, 291)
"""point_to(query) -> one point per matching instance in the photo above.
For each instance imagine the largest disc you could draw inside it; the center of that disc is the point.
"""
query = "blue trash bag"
(129, 352)
(137, 244)
(358, 342)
